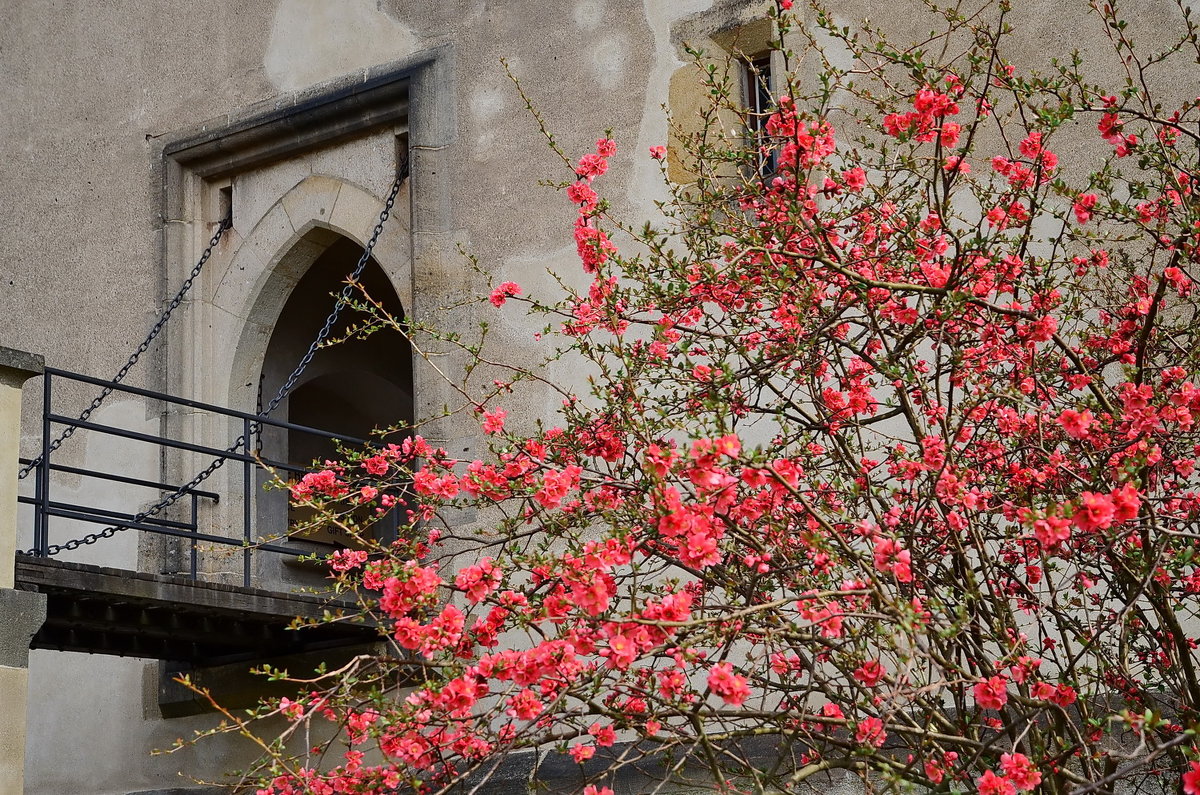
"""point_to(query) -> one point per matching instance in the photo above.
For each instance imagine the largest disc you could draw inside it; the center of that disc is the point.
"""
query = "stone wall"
(98, 227)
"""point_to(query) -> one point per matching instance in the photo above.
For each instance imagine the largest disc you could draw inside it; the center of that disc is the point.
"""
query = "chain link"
(172, 305)
(322, 335)
(343, 297)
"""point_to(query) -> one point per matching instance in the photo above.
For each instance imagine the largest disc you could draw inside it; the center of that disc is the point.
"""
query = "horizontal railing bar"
(195, 404)
(114, 517)
(215, 452)
(124, 433)
(236, 542)
(150, 484)
(292, 426)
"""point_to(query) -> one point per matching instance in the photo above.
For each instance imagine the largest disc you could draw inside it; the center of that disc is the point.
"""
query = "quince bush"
(888, 464)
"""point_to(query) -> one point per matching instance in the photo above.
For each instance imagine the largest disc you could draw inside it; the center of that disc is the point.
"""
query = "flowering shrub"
(889, 463)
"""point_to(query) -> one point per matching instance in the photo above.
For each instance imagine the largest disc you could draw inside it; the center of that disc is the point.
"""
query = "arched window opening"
(349, 389)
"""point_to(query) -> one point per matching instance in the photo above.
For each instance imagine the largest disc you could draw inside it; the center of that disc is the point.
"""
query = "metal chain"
(172, 305)
(322, 335)
(343, 297)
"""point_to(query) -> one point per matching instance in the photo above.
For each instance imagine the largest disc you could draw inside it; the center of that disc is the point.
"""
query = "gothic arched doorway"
(349, 389)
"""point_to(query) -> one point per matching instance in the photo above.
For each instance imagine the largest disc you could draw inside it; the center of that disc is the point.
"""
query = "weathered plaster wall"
(91, 90)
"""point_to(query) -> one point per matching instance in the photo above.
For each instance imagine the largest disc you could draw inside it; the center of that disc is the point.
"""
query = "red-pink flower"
(890, 558)
(1191, 779)
(591, 166)
(1127, 501)
(580, 192)
(731, 687)
(955, 163)
(870, 673)
(1052, 531)
(292, 709)
(479, 580)
(1083, 207)
(605, 735)
(658, 152)
(1075, 423)
(503, 292)
(870, 731)
(525, 705)
(992, 693)
(1020, 770)
(1095, 512)
(375, 465)
(347, 559)
(493, 421)
(991, 784)
(581, 753)
(556, 485)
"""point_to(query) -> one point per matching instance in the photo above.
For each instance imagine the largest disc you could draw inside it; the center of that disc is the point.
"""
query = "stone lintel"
(302, 121)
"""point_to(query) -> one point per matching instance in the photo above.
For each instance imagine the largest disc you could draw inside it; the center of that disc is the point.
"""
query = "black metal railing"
(184, 522)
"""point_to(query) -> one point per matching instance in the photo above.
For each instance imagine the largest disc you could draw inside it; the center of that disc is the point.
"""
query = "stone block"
(21, 616)
(28, 364)
(356, 212)
(312, 200)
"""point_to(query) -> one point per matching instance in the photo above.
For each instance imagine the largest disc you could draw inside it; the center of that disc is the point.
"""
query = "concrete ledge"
(28, 364)
(137, 614)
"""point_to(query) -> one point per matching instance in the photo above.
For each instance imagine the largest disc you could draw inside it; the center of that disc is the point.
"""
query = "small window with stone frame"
(758, 88)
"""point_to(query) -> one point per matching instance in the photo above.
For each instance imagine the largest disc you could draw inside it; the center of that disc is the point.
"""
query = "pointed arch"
(274, 256)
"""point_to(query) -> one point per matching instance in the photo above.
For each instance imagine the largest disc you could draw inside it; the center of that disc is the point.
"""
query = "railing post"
(41, 522)
(247, 492)
(21, 612)
(195, 530)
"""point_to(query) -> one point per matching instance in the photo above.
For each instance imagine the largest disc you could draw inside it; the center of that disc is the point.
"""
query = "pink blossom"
(1076, 423)
(591, 166)
(479, 580)
(605, 735)
(493, 421)
(375, 465)
(1083, 207)
(992, 693)
(1095, 512)
(870, 673)
(347, 559)
(731, 687)
(870, 731)
(503, 292)
(1191, 779)
(1021, 771)
(991, 784)
(525, 705)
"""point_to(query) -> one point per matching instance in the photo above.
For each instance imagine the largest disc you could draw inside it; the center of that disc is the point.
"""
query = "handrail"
(95, 473)
(196, 404)
(185, 525)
